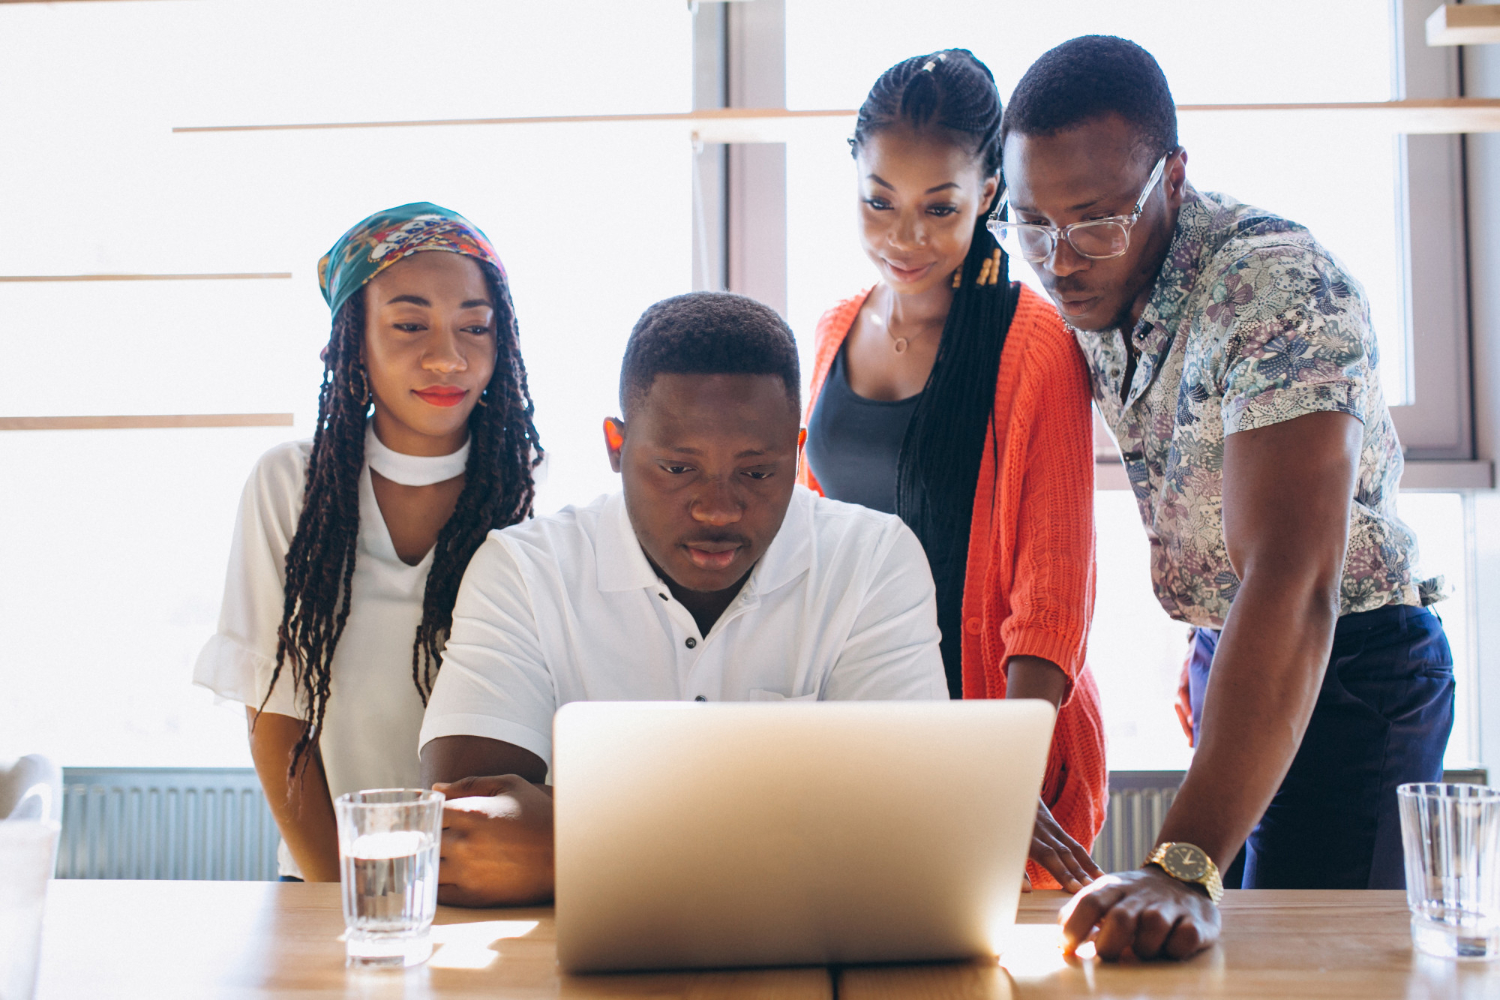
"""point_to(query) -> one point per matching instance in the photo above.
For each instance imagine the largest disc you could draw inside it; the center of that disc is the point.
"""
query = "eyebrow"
(417, 300)
(747, 453)
(932, 190)
(1081, 206)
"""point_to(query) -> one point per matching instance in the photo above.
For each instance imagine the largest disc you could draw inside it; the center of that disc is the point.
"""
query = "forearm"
(303, 808)
(1034, 677)
(1267, 670)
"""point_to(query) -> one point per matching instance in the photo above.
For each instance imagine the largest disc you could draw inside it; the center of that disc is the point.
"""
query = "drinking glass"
(388, 856)
(1451, 836)
(28, 848)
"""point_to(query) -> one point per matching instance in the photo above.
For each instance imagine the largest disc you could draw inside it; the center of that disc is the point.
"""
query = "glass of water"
(388, 856)
(1451, 836)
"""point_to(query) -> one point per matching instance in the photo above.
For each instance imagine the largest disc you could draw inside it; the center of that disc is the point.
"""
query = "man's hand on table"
(1060, 854)
(1145, 914)
(502, 856)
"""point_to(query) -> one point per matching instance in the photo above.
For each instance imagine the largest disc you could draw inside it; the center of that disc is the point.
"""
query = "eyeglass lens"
(1096, 240)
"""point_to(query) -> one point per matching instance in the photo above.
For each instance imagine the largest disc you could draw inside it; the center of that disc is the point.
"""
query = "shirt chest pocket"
(761, 694)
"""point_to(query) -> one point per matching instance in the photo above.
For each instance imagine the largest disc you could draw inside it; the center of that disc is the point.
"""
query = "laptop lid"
(738, 834)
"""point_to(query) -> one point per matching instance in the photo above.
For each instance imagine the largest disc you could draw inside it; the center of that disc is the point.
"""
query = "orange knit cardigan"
(1029, 579)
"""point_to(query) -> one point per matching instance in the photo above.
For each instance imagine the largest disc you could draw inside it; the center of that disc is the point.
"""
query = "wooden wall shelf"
(1464, 24)
(749, 125)
(145, 421)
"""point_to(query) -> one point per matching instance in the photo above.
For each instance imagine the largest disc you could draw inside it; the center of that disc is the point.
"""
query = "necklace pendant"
(900, 345)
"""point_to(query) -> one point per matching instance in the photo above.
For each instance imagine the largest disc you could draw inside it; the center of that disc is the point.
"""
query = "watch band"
(1164, 857)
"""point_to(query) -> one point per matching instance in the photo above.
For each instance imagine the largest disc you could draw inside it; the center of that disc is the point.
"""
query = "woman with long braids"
(957, 400)
(349, 548)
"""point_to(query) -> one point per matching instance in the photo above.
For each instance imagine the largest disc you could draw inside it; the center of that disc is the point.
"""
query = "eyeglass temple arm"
(1156, 172)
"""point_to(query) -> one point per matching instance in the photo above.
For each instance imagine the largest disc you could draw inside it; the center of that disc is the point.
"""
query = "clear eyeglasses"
(1096, 239)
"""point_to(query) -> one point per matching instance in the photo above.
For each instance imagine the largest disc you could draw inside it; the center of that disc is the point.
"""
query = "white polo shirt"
(567, 608)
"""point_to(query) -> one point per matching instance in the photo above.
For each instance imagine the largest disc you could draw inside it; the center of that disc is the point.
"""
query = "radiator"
(165, 823)
(1138, 803)
(212, 823)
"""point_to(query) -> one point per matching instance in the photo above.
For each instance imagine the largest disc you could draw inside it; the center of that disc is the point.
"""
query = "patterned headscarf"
(386, 237)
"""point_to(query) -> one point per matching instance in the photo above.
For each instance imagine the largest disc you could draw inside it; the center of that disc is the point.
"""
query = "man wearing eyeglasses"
(1233, 359)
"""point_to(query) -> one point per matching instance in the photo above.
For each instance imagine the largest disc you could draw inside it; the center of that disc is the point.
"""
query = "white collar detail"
(412, 470)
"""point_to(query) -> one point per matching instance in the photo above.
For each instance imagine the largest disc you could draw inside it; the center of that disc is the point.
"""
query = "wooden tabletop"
(264, 939)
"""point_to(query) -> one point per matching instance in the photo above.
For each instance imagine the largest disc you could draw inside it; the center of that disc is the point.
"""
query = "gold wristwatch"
(1191, 864)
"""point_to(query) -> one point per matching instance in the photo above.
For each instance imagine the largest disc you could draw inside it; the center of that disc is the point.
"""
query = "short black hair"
(709, 333)
(1086, 78)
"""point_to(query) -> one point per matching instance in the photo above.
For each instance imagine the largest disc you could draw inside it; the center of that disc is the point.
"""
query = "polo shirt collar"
(622, 565)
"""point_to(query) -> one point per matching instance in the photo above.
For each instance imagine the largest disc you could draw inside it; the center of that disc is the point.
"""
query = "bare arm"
(502, 857)
(1287, 490)
(451, 758)
(303, 808)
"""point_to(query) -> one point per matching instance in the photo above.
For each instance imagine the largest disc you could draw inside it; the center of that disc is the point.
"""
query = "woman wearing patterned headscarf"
(349, 548)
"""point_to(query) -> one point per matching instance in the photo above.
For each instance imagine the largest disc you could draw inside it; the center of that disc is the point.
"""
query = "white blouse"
(374, 711)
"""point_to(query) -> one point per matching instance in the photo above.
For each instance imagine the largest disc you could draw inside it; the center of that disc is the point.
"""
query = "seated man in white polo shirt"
(712, 577)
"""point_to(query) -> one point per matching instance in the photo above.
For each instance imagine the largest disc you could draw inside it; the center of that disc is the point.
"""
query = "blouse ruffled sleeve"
(237, 662)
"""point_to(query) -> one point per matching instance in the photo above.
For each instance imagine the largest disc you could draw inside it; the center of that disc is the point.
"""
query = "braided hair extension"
(952, 96)
(498, 491)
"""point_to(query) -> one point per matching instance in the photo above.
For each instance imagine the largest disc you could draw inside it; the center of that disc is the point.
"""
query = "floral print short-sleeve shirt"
(1251, 322)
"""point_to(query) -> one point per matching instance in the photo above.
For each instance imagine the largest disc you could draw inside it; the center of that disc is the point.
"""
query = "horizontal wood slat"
(145, 421)
(246, 276)
(748, 125)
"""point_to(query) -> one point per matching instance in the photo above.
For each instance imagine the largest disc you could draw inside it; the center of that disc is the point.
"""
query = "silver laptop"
(813, 833)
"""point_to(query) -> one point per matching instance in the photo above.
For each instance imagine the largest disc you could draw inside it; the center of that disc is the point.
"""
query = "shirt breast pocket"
(761, 694)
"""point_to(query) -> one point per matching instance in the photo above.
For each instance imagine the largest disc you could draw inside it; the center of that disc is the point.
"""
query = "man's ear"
(1176, 179)
(614, 440)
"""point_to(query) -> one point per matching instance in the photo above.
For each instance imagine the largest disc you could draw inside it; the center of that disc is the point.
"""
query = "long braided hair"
(951, 96)
(498, 491)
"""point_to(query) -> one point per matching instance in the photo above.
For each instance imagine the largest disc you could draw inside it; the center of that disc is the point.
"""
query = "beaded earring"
(362, 394)
(989, 272)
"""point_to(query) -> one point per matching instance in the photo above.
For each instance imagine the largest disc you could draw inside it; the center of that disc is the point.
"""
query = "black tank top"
(852, 447)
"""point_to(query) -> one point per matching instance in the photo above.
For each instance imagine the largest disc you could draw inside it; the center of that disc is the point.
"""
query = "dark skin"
(920, 196)
(429, 323)
(708, 464)
(1286, 497)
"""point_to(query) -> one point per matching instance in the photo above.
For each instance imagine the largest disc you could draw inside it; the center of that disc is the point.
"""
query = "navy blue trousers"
(1382, 719)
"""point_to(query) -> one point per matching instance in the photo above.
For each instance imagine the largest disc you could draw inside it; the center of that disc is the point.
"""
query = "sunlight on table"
(467, 946)
(1032, 951)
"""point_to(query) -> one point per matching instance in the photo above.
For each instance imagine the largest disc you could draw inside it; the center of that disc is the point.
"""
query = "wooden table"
(264, 939)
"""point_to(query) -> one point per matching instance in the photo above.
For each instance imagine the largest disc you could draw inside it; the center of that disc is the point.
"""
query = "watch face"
(1184, 861)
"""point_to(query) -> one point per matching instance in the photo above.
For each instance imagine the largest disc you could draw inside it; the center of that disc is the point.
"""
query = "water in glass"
(388, 847)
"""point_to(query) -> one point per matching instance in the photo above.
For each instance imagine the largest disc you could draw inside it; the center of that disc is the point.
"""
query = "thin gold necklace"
(899, 344)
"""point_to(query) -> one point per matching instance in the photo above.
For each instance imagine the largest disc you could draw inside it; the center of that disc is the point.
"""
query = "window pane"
(1442, 524)
(107, 606)
(1341, 183)
(1135, 650)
